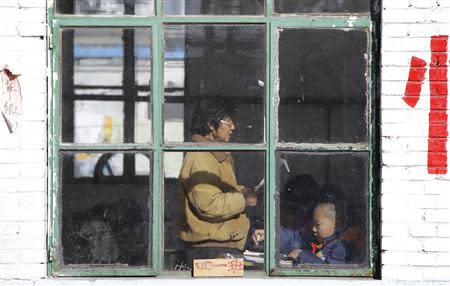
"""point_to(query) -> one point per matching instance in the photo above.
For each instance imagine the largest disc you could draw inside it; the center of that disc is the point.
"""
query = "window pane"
(213, 7)
(322, 6)
(105, 209)
(222, 61)
(106, 85)
(323, 86)
(213, 215)
(109, 7)
(322, 198)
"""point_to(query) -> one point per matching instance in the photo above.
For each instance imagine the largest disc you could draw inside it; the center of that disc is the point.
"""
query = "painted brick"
(33, 256)
(30, 228)
(28, 271)
(416, 15)
(443, 259)
(36, 170)
(402, 244)
(9, 3)
(32, 3)
(394, 229)
(8, 156)
(423, 201)
(8, 257)
(7, 141)
(401, 187)
(436, 244)
(440, 215)
(19, 242)
(443, 230)
(414, 30)
(402, 272)
(23, 185)
(32, 142)
(436, 273)
(393, 214)
(404, 158)
(9, 171)
(423, 230)
(35, 15)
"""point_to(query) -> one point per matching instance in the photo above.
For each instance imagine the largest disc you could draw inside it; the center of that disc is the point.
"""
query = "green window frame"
(273, 22)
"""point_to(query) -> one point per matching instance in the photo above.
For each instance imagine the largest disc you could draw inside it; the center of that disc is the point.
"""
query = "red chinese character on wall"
(438, 117)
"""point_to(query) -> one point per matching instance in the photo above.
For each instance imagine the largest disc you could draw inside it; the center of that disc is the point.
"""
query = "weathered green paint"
(229, 146)
(366, 272)
(156, 22)
(158, 189)
(271, 106)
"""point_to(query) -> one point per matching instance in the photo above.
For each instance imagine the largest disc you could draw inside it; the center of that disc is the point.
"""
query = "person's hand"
(258, 236)
(294, 253)
(251, 199)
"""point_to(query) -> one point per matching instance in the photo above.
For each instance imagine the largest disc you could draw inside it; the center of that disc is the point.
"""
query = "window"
(130, 79)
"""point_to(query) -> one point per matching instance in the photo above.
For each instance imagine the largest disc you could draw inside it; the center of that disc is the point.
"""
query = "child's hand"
(294, 253)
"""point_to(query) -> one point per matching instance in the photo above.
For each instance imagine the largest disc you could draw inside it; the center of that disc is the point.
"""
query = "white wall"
(415, 205)
(23, 157)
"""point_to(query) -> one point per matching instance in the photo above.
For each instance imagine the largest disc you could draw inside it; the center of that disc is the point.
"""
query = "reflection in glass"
(323, 85)
(105, 7)
(105, 209)
(106, 85)
(213, 7)
(249, 169)
(322, 6)
(322, 206)
(224, 60)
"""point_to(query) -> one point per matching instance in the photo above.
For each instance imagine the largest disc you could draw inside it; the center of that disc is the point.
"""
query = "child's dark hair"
(331, 194)
(210, 109)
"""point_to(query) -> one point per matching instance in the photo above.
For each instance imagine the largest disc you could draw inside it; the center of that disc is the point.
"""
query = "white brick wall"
(23, 155)
(415, 223)
(415, 205)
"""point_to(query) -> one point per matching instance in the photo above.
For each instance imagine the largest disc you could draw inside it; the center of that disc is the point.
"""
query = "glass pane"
(226, 65)
(213, 7)
(108, 7)
(106, 85)
(322, 217)
(105, 209)
(323, 86)
(322, 6)
(213, 205)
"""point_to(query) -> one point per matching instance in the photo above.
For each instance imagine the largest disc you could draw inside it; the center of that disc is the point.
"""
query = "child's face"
(324, 224)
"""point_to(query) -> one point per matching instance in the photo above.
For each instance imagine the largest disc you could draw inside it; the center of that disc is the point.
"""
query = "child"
(328, 249)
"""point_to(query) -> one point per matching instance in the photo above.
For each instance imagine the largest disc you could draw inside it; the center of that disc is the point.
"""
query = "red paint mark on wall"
(415, 79)
(438, 118)
(437, 134)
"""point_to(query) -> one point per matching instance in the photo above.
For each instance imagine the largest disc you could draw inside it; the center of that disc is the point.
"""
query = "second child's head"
(324, 218)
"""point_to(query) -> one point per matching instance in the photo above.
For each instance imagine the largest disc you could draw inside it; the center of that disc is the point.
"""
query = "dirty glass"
(314, 189)
(226, 62)
(323, 85)
(105, 208)
(213, 7)
(249, 170)
(106, 85)
(322, 6)
(106, 7)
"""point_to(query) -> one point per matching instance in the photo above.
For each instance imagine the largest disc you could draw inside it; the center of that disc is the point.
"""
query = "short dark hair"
(210, 109)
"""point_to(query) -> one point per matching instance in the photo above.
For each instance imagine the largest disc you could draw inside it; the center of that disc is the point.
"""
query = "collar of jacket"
(220, 155)
(330, 239)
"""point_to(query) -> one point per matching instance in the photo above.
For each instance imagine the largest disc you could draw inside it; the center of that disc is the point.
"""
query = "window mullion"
(270, 262)
(157, 99)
